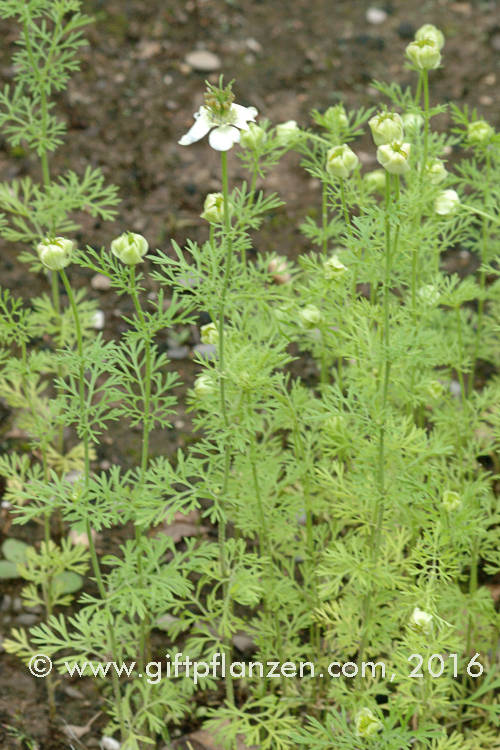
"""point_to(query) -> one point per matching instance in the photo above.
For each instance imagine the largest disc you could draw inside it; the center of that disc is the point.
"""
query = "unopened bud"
(375, 181)
(333, 268)
(341, 161)
(213, 208)
(451, 500)
(287, 132)
(447, 202)
(366, 723)
(421, 621)
(424, 54)
(480, 132)
(55, 253)
(394, 157)
(310, 316)
(429, 31)
(253, 138)
(209, 334)
(130, 248)
(386, 127)
(436, 171)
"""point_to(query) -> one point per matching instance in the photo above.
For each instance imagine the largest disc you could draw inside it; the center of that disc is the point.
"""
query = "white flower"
(224, 128)
(447, 202)
(421, 621)
(394, 157)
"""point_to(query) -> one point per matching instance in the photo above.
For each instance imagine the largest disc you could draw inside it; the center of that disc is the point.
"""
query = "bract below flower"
(286, 132)
(223, 127)
(213, 208)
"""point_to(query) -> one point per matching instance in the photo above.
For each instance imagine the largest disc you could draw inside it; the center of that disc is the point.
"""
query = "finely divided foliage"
(354, 509)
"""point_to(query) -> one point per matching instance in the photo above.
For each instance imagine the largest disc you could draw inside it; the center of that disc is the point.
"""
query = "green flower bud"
(55, 253)
(375, 181)
(310, 316)
(333, 268)
(421, 621)
(412, 121)
(451, 500)
(203, 386)
(424, 54)
(429, 295)
(394, 157)
(386, 127)
(336, 116)
(429, 31)
(435, 389)
(436, 171)
(341, 161)
(213, 208)
(130, 248)
(366, 723)
(253, 138)
(287, 132)
(480, 132)
(447, 202)
(209, 334)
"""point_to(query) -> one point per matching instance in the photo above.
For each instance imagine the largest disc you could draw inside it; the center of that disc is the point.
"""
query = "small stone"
(6, 603)
(206, 351)
(178, 352)
(100, 282)
(243, 642)
(455, 389)
(253, 45)
(490, 79)
(486, 100)
(203, 60)
(98, 320)
(26, 619)
(17, 604)
(376, 15)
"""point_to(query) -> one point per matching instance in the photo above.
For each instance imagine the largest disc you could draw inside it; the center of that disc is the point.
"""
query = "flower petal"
(223, 137)
(243, 115)
(202, 125)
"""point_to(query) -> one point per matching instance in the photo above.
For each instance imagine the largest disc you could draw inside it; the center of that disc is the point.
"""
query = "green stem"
(93, 553)
(425, 80)
(222, 391)
(144, 647)
(482, 284)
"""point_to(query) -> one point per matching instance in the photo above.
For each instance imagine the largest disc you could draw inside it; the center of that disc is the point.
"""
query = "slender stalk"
(425, 81)
(93, 553)
(390, 248)
(324, 217)
(145, 646)
(222, 392)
